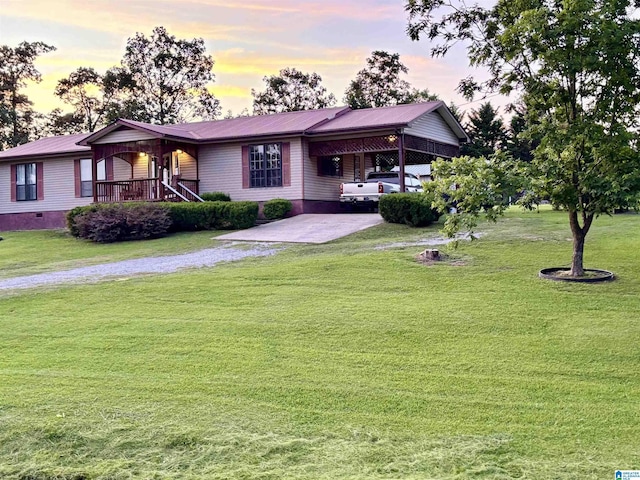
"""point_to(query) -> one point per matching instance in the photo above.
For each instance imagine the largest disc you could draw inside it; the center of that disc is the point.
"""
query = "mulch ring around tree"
(562, 274)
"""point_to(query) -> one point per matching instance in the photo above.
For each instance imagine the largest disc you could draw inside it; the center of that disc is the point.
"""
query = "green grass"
(26, 253)
(334, 361)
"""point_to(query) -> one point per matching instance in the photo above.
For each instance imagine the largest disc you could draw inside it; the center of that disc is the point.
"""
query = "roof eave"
(377, 128)
(43, 155)
(120, 122)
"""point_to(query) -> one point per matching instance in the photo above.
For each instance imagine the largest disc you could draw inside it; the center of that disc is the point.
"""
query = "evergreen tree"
(486, 131)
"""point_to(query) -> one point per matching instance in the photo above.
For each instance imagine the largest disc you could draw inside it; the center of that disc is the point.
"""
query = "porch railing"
(142, 190)
(188, 188)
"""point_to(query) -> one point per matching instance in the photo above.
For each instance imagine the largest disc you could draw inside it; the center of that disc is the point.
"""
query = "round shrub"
(276, 208)
(413, 209)
(215, 197)
(116, 222)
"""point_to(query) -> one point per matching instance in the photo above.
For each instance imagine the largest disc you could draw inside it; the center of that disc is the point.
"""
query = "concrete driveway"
(307, 228)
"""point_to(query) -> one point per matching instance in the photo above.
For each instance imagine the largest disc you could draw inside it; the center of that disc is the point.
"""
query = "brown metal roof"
(289, 123)
(308, 122)
(47, 146)
(374, 118)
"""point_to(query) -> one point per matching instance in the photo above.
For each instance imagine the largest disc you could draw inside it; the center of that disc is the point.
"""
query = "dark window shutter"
(109, 168)
(286, 164)
(245, 167)
(77, 178)
(40, 180)
(319, 165)
(13, 183)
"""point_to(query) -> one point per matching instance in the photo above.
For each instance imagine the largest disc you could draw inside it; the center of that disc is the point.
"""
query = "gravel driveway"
(167, 264)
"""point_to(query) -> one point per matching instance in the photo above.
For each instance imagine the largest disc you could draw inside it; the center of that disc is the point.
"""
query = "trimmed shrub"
(77, 211)
(186, 217)
(237, 215)
(215, 197)
(413, 209)
(276, 208)
(116, 222)
(212, 215)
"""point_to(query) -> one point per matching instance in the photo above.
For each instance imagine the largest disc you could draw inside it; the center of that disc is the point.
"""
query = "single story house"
(301, 156)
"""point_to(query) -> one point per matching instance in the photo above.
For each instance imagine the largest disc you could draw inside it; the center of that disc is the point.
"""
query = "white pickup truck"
(368, 193)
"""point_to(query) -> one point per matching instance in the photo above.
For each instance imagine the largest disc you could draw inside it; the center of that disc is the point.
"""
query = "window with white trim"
(265, 165)
(86, 176)
(26, 182)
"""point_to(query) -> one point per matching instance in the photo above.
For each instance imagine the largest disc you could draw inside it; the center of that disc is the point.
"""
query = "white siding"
(121, 169)
(433, 127)
(130, 135)
(188, 167)
(140, 166)
(59, 188)
(318, 187)
(221, 171)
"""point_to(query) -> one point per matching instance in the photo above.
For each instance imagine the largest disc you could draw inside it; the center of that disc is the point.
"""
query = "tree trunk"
(577, 268)
(579, 234)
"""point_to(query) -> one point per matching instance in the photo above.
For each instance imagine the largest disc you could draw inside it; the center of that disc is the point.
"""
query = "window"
(26, 182)
(86, 175)
(265, 165)
(330, 166)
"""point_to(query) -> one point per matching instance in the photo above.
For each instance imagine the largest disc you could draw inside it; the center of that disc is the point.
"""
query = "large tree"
(16, 112)
(83, 89)
(486, 132)
(291, 91)
(380, 84)
(576, 64)
(169, 78)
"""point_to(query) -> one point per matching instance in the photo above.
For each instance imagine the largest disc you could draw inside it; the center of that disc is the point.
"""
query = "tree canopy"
(83, 89)
(16, 112)
(576, 66)
(169, 78)
(291, 91)
(380, 84)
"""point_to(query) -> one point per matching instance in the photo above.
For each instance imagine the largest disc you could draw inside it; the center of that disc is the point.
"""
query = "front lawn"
(30, 252)
(335, 361)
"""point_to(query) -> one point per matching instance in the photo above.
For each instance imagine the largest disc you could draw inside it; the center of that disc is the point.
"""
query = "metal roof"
(309, 122)
(47, 146)
(375, 118)
(289, 123)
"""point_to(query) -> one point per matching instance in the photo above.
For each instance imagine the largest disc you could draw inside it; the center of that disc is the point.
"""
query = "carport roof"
(375, 118)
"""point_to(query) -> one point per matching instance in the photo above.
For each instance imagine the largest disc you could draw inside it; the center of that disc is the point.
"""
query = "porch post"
(401, 160)
(94, 174)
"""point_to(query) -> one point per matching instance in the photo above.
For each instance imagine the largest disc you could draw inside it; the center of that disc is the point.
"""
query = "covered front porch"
(145, 170)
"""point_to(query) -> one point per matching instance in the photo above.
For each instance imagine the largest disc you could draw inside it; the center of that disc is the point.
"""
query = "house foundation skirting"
(32, 220)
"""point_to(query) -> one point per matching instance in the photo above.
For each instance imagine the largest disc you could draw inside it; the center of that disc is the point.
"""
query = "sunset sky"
(247, 40)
